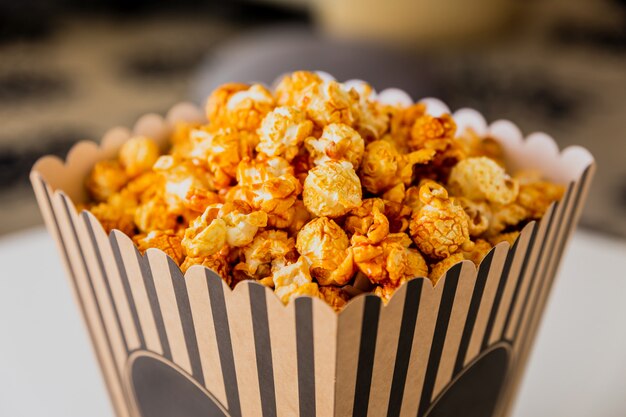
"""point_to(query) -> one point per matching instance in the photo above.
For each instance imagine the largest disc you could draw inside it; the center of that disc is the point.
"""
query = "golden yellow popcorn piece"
(138, 154)
(261, 169)
(478, 252)
(142, 188)
(269, 185)
(332, 189)
(291, 88)
(115, 216)
(482, 178)
(155, 214)
(218, 151)
(239, 105)
(325, 247)
(168, 241)
(441, 226)
(401, 122)
(325, 102)
(300, 217)
(293, 280)
(432, 132)
(180, 178)
(390, 261)
(339, 142)
(198, 199)
(384, 167)
(283, 131)
(373, 117)
(398, 215)
(216, 262)
(368, 220)
(266, 248)
(478, 213)
(396, 194)
(505, 216)
(106, 178)
(441, 267)
(335, 297)
(537, 196)
(234, 224)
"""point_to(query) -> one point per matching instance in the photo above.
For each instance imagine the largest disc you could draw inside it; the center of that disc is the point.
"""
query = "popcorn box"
(187, 345)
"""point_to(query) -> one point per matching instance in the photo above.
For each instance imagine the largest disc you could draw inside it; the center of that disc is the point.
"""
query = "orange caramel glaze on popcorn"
(307, 186)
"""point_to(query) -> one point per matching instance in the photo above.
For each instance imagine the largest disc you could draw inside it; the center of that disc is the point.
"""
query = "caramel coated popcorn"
(313, 186)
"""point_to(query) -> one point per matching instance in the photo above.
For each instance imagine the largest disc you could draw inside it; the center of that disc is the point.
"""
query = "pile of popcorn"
(316, 189)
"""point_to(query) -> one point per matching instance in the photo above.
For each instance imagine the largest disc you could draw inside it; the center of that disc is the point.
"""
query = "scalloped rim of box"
(538, 150)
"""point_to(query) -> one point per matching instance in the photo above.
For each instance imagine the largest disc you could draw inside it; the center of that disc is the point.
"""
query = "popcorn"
(325, 102)
(240, 106)
(478, 252)
(137, 155)
(335, 297)
(168, 241)
(482, 178)
(115, 216)
(390, 261)
(339, 142)
(369, 220)
(537, 196)
(478, 213)
(218, 151)
(332, 189)
(293, 280)
(282, 132)
(234, 224)
(324, 245)
(106, 178)
(315, 186)
(216, 262)
(180, 178)
(440, 268)
(432, 132)
(265, 249)
(155, 214)
(505, 216)
(384, 167)
(206, 235)
(441, 226)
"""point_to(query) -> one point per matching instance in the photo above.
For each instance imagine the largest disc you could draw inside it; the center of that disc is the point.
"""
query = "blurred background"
(69, 69)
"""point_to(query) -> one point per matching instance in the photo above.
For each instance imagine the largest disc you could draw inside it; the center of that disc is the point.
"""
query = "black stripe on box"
(439, 336)
(155, 306)
(91, 287)
(533, 277)
(306, 358)
(504, 277)
(263, 349)
(367, 350)
(472, 312)
(224, 343)
(520, 280)
(105, 276)
(186, 320)
(405, 345)
(117, 254)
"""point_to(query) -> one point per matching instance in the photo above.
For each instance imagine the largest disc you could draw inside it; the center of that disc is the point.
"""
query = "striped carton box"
(187, 345)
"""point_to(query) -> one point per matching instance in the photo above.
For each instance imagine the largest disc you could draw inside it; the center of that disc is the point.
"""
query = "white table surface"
(577, 369)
